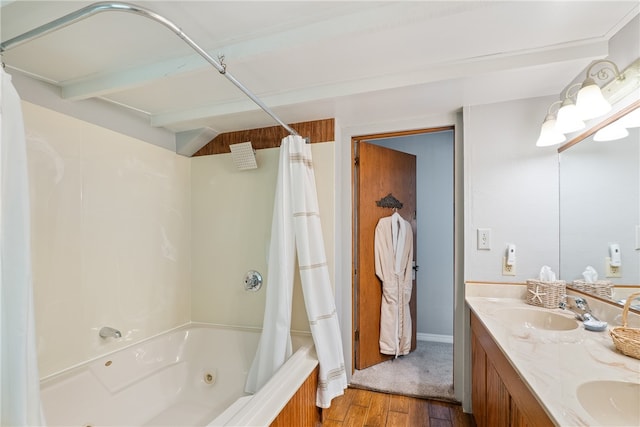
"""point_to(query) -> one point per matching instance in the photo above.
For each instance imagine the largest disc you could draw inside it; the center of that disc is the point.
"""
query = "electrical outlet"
(508, 270)
(484, 239)
(610, 270)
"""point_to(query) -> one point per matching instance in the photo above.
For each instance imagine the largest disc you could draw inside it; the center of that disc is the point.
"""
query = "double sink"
(608, 402)
(577, 375)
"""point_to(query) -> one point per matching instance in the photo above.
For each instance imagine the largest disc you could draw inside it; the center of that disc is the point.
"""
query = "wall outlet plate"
(611, 271)
(484, 239)
(508, 270)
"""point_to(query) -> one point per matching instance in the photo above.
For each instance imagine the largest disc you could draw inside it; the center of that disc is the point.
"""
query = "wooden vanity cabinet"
(499, 397)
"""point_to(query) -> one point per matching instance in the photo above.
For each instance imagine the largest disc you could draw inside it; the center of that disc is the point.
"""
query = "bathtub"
(190, 376)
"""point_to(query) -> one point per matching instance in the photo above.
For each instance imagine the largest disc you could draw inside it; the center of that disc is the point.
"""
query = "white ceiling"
(310, 60)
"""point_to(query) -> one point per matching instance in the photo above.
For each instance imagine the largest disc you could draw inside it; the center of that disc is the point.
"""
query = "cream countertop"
(553, 363)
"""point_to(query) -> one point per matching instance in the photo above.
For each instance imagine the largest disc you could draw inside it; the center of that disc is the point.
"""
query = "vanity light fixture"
(631, 120)
(549, 134)
(590, 101)
(611, 132)
(569, 119)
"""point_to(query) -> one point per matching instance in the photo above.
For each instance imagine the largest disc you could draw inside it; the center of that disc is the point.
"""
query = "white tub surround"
(110, 220)
(553, 363)
(188, 376)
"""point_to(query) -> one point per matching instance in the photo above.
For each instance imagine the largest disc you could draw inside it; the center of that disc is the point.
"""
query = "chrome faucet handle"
(580, 307)
(252, 281)
(579, 302)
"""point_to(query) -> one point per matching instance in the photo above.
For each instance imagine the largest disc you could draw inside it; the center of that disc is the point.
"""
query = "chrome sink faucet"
(581, 309)
(578, 305)
(107, 332)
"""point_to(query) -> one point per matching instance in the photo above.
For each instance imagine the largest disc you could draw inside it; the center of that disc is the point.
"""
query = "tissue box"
(545, 294)
(601, 288)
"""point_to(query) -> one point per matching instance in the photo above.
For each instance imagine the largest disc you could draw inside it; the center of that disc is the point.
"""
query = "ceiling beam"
(587, 51)
(189, 142)
(359, 21)
(110, 82)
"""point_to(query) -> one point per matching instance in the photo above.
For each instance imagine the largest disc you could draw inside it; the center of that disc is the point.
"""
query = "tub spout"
(106, 332)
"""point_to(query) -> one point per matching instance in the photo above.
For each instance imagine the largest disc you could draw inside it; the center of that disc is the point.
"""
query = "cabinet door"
(498, 399)
(478, 382)
(517, 417)
(504, 399)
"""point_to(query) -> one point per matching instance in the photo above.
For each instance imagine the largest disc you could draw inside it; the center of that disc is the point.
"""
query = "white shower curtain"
(19, 379)
(296, 225)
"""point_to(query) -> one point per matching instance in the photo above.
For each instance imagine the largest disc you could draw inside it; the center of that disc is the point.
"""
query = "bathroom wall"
(231, 219)
(110, 237)
(511, 187)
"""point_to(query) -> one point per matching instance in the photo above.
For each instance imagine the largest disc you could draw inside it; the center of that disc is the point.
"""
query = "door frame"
(355, 211)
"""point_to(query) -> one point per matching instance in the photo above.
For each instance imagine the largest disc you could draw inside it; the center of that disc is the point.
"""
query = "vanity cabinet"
(499, 397)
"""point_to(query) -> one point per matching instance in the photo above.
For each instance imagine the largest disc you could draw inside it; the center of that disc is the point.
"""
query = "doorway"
(434, 151)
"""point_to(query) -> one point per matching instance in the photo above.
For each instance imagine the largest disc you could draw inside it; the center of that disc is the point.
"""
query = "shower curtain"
(296, 226)
(19, 379)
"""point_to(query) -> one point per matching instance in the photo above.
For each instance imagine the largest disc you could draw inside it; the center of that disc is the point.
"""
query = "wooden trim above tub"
(270, 137)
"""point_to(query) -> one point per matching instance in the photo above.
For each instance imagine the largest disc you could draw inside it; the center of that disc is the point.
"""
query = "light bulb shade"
(568, 118)
(611, 132)
(590, 102)
(631, 120)
(549, 135)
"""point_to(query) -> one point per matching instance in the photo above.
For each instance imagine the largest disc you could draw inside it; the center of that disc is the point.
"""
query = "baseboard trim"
(434, 337)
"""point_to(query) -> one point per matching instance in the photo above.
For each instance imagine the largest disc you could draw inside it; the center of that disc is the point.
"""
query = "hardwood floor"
(369, 408)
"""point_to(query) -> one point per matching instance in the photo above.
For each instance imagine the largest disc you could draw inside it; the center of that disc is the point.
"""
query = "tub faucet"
(106, 332)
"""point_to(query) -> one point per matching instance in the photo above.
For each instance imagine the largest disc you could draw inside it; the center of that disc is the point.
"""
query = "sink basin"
(536, 319)
(611, 403)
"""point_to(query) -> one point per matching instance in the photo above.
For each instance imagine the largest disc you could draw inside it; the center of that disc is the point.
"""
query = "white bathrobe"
(393, 261)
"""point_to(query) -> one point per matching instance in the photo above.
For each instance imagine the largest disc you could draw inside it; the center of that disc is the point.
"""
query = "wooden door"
(379, 171)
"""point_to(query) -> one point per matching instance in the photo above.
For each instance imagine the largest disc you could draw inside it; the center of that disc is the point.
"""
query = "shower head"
(244, 156)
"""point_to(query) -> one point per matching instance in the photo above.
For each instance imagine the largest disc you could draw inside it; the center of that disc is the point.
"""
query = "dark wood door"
(379, 171)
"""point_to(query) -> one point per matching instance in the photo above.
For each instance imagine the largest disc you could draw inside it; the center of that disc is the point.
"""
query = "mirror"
(600, 206)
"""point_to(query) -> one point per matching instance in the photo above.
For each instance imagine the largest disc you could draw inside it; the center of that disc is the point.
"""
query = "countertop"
(552, 363)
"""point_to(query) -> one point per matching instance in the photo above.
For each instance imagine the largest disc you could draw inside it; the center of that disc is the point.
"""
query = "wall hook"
(389, 202)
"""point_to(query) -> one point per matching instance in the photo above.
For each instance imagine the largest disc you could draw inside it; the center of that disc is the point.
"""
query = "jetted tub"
(190, 376)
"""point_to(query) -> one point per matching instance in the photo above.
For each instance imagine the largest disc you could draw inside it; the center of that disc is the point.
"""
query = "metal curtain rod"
(96, 8)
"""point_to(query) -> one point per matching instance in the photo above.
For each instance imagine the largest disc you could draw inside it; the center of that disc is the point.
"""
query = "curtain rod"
(95, 8)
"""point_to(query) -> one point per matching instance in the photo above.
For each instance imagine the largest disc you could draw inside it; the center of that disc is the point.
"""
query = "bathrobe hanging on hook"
(393, 262)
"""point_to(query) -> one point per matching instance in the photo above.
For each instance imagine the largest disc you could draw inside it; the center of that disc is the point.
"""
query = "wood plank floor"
(369, 408)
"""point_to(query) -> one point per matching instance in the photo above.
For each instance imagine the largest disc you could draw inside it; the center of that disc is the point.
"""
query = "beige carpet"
(426, 372)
